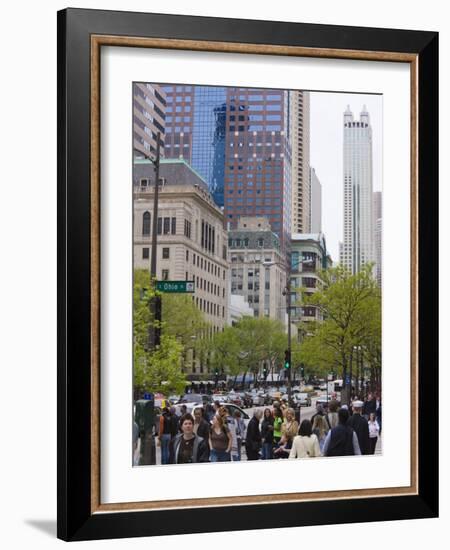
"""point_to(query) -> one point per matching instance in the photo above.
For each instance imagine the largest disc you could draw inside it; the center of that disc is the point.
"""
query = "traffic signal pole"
(154, 331)
(289, 370)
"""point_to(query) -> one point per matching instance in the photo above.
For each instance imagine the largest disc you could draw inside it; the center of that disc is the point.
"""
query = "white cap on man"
(358, 404)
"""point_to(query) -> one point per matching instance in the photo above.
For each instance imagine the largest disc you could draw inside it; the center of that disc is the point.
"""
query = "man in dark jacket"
(188, 448)
(361, 427)
(341, 440)
(370, 406)
(253, 440)
(201, 426)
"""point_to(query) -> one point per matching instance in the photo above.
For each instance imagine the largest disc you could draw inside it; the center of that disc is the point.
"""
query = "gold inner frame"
(97, 41)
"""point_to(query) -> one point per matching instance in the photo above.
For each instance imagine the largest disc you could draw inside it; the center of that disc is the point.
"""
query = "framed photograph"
(247, 255)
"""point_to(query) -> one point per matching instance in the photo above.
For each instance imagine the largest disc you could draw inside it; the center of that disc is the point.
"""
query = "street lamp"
(287, 293)
(154, 332)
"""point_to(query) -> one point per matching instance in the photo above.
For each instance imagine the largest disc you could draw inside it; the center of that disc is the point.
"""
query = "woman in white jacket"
(306, 444)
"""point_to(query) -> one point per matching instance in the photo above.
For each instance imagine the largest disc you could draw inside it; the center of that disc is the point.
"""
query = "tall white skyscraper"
(316, 201)
(358, 242)
(377, 220)
(300, 135)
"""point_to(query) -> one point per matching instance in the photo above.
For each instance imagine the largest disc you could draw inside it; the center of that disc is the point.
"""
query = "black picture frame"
(75, 478)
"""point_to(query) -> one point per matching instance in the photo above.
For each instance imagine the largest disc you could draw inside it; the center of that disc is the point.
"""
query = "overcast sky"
(326, 154)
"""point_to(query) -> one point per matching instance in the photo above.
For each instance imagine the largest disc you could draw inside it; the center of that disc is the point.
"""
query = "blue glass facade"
(238, 140)
(208, 139)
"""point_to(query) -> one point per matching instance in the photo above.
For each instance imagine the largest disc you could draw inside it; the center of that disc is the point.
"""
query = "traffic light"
(287, 359)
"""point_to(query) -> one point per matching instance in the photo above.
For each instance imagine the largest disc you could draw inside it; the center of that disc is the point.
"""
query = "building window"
(165, 253)
(309, 311)
(146, 223)
(187, 229)
(174, 226)
(145, 253)
(309, 282)
(165, 274)
(166, 226)
(159, 226)
(187, 255)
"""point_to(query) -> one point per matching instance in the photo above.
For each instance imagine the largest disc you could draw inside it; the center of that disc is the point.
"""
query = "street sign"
(347, 380)
(148, 396)
(175, 286)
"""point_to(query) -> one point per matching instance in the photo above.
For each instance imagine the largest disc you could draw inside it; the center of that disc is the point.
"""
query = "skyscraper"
(316, 201)
(358, 243)
(300, 132)
(258, 158)
(196, 130)
(377, 220)
(149, 113)
(239, 141)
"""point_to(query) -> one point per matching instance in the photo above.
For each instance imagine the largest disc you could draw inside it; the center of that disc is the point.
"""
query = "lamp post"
(154, 332)
(287, 294)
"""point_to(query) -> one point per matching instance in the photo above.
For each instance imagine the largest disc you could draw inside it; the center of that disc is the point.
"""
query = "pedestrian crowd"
(213, 435)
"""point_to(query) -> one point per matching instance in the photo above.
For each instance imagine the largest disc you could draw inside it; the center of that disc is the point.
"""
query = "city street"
(305, 413)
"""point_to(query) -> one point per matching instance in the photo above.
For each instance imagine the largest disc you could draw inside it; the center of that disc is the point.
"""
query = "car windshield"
(192, 398)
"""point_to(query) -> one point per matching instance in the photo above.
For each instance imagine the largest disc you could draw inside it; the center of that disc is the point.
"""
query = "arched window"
(146, 223)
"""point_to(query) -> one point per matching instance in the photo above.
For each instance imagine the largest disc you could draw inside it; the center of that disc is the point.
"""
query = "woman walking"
(267, 435)
(219, 441)
(289, 429)
(187, 447)
(332, 416)
(236, 449)
(306, 444)
(319, 428)
(277, 423)
(374, 432)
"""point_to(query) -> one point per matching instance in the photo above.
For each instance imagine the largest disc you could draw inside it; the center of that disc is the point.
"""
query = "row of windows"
(238, 243)
(210, 308)
(179, 109)
(208, 237)
(205, 264)
(208, 286)
(165, 226)
(255, 128)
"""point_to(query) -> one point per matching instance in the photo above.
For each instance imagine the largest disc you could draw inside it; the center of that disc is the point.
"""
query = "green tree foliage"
(351, 310)
(154, 370)
(242, 348)
(160, 370)
(182, 318)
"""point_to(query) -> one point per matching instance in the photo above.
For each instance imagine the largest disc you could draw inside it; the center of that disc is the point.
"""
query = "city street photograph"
(257, 274)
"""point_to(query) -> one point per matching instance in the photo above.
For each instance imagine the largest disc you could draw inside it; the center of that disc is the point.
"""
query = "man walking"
(361, 427)
(253, 440)
(341, 440)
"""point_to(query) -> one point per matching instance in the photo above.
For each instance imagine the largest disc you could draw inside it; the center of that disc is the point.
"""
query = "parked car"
(303, 399)
(195, 398)
(258, 399)
(235, 398)
(323, 401)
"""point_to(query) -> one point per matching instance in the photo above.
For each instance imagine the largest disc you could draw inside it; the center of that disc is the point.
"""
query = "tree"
(160, 370)
(242, 348)
(183, 319)
(224, 350)
(157, 370)
(348, 304)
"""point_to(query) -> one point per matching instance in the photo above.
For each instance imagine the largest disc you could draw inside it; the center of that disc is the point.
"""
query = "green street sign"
(175, 286)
